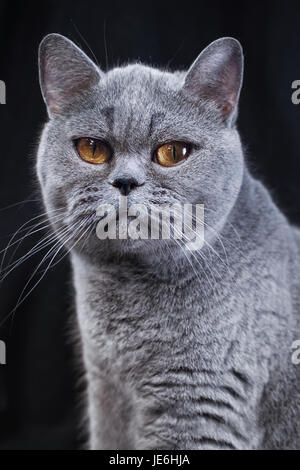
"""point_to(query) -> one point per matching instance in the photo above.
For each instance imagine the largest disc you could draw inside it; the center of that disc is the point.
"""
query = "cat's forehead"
(137, 104)
(131, 103)
(140, 82)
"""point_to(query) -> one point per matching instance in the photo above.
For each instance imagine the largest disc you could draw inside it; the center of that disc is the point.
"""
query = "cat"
(181, 349)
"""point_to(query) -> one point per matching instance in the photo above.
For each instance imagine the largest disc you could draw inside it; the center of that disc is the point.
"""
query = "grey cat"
(181, 350)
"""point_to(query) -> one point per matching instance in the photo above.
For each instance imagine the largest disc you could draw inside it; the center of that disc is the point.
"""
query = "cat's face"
(105, 130)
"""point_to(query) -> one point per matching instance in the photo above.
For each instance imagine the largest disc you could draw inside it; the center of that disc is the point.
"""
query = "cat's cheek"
(59, 200)
(42, 176)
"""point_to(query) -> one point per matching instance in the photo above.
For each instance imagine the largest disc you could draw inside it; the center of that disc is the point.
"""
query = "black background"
(39, 404)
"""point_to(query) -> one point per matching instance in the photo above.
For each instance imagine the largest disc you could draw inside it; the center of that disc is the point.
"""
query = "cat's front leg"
(110, 413)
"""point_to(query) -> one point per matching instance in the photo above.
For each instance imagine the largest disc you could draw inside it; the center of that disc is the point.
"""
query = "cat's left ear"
(66, 72)
(217, 75)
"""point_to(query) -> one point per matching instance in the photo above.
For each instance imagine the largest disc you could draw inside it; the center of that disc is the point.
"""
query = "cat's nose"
(125, 185)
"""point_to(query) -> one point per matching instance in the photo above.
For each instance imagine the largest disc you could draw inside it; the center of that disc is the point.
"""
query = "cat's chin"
(99, 250)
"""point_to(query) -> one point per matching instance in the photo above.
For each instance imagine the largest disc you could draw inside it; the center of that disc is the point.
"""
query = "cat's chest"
(131, 313)
(151, 298)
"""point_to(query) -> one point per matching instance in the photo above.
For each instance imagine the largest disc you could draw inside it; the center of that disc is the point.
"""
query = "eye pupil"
(92, 143)
(174, 152)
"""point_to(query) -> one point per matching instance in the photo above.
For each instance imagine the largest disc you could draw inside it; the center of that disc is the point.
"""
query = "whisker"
(10, 206)
(38, 247)
(19, 231)
(77, 241)
(22, 298)
(31, 231)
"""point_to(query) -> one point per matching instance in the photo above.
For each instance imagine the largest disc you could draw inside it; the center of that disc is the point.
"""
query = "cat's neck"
(138, 265)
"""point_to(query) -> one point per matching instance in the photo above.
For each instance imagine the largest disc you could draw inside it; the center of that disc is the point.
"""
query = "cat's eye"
(172, 153)
(93, 150)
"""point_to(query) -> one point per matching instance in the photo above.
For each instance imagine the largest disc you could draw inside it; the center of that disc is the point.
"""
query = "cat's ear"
(217, 75)
(65, 72)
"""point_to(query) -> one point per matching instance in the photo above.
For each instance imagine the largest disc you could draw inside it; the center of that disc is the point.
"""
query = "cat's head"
(152, 135)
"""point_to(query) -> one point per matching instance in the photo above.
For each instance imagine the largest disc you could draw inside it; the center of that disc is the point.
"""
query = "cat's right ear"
(65, 71)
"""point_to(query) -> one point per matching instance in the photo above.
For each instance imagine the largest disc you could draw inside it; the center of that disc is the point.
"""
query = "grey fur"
(181, 351)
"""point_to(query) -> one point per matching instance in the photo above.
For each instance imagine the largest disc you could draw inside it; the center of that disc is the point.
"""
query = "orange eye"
(172, 153)
(93, 150)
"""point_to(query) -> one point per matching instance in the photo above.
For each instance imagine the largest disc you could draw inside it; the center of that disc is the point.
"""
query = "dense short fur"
(181, 350)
